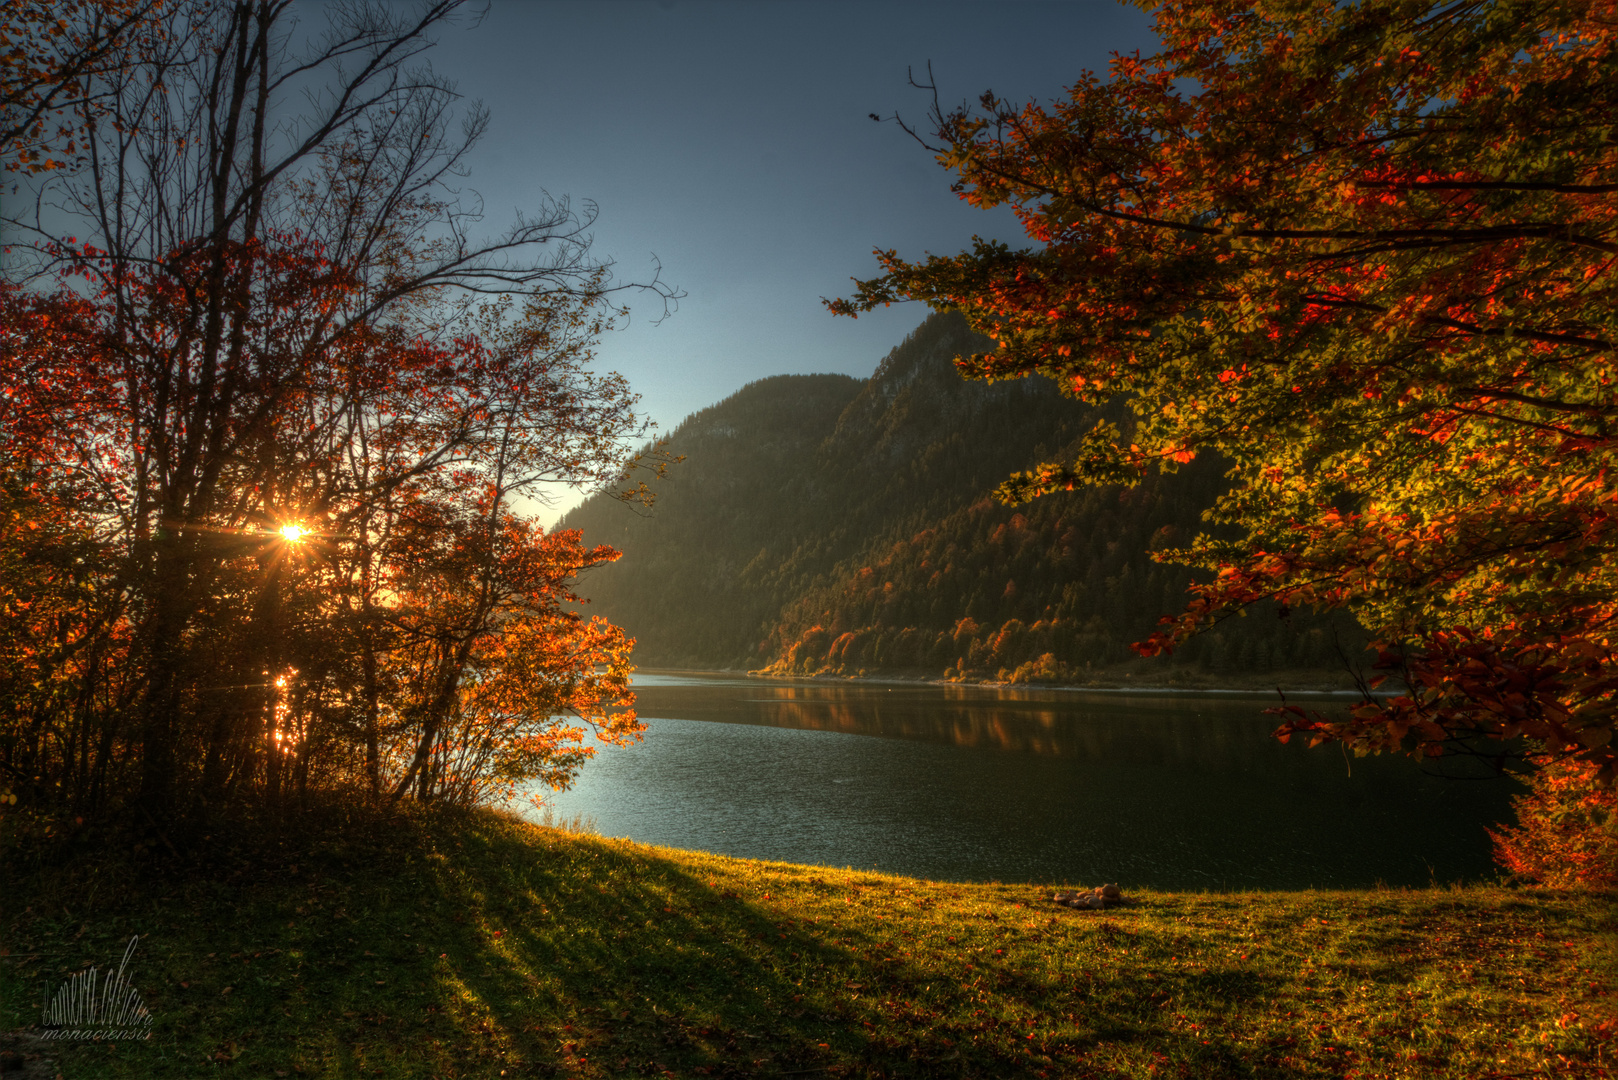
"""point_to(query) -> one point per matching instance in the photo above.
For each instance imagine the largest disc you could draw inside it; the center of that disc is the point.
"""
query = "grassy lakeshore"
(447, 944)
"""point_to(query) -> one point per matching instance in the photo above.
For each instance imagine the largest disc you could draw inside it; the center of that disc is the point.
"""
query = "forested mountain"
(689, 581)
(823, 525)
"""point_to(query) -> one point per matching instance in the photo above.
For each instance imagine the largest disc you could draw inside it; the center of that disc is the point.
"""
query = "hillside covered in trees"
(820, 525)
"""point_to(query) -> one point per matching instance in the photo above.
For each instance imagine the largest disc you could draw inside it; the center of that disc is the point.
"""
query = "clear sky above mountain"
(733, 142)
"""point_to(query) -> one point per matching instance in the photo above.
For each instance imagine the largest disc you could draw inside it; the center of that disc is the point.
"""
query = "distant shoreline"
(1111, 687)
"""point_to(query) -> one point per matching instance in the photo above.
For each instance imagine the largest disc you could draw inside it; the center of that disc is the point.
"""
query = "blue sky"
(732, 141)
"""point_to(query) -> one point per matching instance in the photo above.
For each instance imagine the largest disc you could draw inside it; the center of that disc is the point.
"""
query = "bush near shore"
(440, 943)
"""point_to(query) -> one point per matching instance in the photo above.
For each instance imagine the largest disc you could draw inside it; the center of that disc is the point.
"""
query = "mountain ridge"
(821, 524)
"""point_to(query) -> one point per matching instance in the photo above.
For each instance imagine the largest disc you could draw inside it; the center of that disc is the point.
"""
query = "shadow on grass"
(444, 945)
(447, 944)
(606, 956)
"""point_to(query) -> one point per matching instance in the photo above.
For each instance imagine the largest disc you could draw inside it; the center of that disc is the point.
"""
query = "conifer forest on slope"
(823, 525)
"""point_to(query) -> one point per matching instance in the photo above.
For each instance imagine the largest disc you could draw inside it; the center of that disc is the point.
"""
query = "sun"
(294, 533)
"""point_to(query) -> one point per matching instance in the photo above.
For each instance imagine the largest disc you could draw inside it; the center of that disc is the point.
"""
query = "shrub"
(1566, 834)
(1047, 669)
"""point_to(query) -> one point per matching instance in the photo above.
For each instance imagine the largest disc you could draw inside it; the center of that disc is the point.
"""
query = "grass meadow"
(440, 943)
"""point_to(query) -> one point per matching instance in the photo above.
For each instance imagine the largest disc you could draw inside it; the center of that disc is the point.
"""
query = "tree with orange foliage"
(1368, 253)
(52, 56)
(1566, 834)
(266, 376)
(498, 679)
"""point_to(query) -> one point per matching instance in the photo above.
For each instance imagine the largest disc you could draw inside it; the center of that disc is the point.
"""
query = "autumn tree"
(260, 352)
(59, 636)
(1566, 834)
(449, 589)
(53, 60)
(1367, 253)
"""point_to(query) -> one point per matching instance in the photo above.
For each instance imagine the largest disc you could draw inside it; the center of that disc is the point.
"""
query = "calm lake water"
(1175, 791)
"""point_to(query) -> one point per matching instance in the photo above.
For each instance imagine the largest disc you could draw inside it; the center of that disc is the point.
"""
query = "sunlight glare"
(294, 533)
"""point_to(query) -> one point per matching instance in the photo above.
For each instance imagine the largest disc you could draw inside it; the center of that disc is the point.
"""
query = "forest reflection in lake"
(975, 783)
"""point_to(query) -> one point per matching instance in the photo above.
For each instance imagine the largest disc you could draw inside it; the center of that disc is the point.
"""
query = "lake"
(1173, 791)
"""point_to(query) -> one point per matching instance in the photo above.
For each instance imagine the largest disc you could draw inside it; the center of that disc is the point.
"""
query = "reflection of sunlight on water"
(975, 783)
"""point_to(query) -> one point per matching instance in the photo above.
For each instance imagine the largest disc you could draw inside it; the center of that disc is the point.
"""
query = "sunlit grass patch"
(471, 945)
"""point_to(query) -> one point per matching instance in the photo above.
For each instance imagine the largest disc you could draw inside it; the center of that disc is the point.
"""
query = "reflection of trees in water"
(1033, 732)
(1136, 731)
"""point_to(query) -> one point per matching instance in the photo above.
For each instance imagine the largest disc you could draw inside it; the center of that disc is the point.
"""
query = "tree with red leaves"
(53, 54)
(1367, 253)
(1566, 834)
(274, 421)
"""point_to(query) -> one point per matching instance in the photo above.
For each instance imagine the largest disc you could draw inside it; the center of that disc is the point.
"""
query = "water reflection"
(963, 782)
(1216, 732)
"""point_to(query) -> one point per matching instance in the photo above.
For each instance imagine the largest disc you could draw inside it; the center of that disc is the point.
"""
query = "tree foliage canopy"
(1368, 253)
(272, 415)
